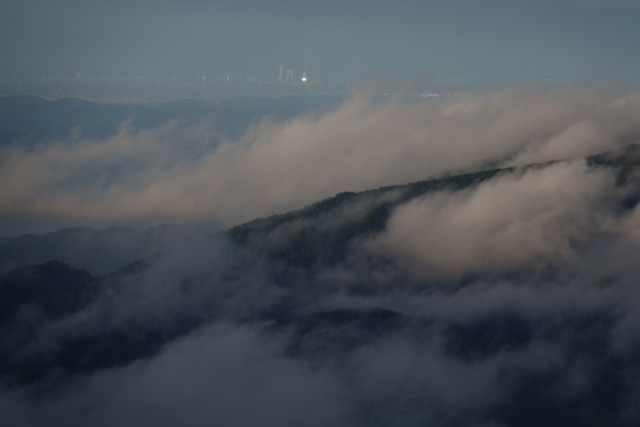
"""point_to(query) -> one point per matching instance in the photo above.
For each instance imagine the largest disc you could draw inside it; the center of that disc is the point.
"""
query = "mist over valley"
(361, 260)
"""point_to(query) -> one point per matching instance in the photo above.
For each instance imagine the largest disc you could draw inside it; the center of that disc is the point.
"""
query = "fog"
(509, 302)
(210, 334)
(509, 223)
(174, 174)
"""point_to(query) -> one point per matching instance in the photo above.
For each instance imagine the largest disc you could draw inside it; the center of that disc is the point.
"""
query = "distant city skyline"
(285, 82)
(144, 89)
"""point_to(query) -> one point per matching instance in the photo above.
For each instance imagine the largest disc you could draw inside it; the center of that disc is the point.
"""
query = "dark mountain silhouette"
(37, 285)
(97, 251)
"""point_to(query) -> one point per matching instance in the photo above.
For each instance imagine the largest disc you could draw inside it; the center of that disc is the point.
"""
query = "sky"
(489, 39)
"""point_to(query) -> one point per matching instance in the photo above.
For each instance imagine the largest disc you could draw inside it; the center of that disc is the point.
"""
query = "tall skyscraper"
(281, 74)
(289, 75)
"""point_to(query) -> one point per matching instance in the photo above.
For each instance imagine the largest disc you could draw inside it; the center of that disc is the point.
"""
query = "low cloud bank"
(527, 220)
(173, 173)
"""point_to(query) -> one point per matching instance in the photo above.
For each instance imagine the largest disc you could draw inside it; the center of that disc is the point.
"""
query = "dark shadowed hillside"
(321, 233)
(37, 285)
(97, 251)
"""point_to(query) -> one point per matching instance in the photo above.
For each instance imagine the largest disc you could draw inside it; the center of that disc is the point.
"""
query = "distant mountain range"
(30, 119)
(97, 251)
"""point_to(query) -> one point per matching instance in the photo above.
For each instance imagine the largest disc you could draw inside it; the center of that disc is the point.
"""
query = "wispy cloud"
(171, 173)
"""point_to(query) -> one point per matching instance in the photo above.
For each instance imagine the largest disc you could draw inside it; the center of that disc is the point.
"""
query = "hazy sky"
(528, 39)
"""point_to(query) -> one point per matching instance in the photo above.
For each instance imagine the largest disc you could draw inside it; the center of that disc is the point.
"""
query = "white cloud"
(169, 173)
(513, 222)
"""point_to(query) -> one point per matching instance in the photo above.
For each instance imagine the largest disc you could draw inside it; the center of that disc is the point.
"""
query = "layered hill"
(97, 251)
